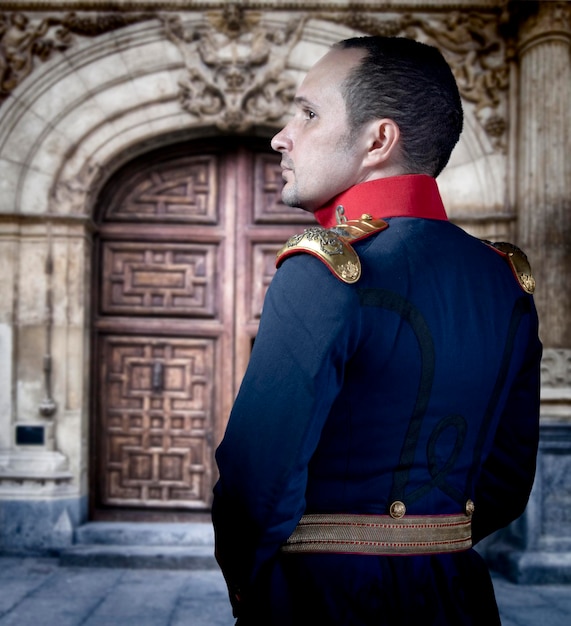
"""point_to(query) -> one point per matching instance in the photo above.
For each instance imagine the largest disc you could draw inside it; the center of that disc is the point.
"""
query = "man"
(388, 418)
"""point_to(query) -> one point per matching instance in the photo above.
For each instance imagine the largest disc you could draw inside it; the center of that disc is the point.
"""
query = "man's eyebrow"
(301, 101)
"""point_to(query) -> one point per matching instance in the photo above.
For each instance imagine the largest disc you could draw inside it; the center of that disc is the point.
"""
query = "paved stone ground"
(40, 592)
(37, 592)
(533, 605)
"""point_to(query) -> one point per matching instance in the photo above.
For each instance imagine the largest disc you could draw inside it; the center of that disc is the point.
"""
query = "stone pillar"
(40, 498)
(543, 180)
(537, 548)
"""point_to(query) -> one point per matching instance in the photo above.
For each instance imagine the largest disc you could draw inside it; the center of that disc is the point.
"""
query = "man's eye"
(309, 115)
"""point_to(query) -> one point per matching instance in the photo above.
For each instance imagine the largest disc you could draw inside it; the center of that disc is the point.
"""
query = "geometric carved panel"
(158, 279)
(157, 415)
(263, 269)
(268, 207)
(181, 190)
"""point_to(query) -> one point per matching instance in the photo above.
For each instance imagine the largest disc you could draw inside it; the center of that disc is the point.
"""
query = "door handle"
(158, 377)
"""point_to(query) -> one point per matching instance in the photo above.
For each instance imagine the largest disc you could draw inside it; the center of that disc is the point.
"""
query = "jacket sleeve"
(294, 374)
(507, 476)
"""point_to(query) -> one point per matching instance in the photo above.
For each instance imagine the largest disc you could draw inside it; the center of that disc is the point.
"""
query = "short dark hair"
(412, 84)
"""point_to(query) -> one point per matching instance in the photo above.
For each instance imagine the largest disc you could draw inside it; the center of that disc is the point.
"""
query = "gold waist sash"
(380, 534)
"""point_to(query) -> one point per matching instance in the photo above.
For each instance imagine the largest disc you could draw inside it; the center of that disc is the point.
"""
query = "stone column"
(537, 547)
(543, 180)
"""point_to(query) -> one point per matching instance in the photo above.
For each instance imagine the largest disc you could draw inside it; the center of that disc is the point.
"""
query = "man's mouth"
(286, 167)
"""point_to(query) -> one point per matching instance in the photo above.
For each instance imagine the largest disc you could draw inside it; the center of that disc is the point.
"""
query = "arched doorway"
(184, 250)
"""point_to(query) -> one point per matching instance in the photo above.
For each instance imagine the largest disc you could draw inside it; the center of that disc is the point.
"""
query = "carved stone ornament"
(24, 42)
(69, 195)
(235, 68)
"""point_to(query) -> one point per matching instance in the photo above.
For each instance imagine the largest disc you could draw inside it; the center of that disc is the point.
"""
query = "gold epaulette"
(518, 262)
(333, 246)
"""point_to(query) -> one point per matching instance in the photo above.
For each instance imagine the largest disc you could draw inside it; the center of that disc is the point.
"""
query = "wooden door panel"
(156, 426)
(262, 267)
(181, 190)
(159, 279)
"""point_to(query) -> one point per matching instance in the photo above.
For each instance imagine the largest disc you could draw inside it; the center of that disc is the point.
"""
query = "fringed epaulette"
(333, 246)
(518, 262)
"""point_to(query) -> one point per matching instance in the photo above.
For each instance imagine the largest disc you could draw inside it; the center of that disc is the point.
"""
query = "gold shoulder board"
(333, 246)
(518, 262)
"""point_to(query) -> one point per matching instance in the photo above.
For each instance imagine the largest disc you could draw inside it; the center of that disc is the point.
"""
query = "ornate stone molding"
(540, 20)
(27, 41)
(70, 195)
(235, 67)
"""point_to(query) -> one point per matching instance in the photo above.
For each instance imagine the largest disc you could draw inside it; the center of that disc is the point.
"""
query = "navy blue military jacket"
(418, 383)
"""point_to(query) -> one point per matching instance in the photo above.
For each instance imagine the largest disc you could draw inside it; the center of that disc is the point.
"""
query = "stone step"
(140, 557)
(145, 533)
(142, 545)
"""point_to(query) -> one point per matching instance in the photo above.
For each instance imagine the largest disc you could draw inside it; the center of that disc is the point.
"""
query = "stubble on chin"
(290, 196)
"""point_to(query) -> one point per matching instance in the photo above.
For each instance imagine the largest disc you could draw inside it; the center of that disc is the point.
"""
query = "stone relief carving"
(235, 64)
(20, 42)
(235, 68)
(69, 195)
(25, 42)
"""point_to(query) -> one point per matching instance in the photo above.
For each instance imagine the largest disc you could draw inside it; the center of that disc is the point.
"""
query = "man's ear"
(383, 145)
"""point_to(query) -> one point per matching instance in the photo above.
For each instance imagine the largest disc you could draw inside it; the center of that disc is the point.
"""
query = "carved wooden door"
(185, 249)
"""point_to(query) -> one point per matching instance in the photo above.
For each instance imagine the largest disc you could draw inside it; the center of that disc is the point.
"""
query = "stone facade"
(85, 89)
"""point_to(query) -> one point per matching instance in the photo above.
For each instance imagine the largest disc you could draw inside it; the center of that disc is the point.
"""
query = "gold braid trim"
(381, 534)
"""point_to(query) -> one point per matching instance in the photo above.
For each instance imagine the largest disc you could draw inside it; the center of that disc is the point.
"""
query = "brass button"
(470, 507)
(397, 510)
(367, 217)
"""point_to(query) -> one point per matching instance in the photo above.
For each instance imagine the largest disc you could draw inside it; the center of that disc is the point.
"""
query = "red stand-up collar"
(414, 195)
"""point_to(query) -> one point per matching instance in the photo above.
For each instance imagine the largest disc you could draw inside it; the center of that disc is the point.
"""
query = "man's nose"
(281, 142)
